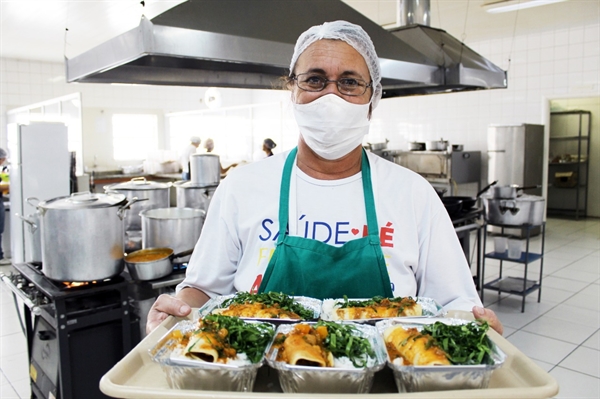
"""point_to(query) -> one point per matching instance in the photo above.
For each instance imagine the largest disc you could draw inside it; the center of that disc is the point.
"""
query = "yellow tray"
(137, 376)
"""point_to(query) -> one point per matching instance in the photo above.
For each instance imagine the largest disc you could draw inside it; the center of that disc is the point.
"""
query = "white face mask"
(331, 126)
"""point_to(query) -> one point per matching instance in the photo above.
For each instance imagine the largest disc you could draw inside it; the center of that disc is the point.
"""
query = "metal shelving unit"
(569, 163)
(521, 286)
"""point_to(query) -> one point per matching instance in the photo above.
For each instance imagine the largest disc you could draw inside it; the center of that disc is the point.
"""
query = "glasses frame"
(337, 83)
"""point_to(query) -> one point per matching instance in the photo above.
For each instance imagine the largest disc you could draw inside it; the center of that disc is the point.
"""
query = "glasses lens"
(351, 87)
(311, 82)
(347, 86)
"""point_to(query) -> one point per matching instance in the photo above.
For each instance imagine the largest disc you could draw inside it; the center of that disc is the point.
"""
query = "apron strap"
(284, 194)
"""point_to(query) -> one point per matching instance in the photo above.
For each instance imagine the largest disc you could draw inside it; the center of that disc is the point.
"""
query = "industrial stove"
(75, 331)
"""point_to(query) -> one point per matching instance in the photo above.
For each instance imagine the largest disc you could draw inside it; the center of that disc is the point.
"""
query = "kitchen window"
(134, 136)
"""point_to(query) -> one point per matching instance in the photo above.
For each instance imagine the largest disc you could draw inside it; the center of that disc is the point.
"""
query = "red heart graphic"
(355, 231)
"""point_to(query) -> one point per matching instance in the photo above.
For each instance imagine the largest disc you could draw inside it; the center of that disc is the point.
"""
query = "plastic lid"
(190, 184)
(138, 183)
(84, 200)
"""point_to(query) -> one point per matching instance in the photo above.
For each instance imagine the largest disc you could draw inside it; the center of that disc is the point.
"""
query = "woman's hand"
(165, 306)
(489, 316)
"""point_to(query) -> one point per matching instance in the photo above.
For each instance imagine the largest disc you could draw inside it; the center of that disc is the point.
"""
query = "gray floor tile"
(15, 367)
(13, 344)
(564, 284)
(541, 348)
(574, 314)
(574, 333)
(508, 311)
(571, 274)
(7, 392)
(583, 360)
(544, 365)
(23, 388)
(585, 301)
(575, 385)
(554, 295)
(593, 341)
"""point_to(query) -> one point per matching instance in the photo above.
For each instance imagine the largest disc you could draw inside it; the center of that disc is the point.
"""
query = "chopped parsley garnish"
(464, 344)
(244, 337)
(341, 341)
(275, 299)
(376, 300)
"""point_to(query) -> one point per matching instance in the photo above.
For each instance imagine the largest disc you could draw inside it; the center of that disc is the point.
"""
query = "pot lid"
(84, 200)
(138, 183)
(190, 184)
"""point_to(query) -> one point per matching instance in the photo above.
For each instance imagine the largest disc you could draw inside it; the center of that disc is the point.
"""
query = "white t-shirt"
(184, 158)
(422, 252)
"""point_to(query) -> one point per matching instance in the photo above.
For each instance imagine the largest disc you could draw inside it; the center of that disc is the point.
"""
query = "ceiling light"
(513, 5)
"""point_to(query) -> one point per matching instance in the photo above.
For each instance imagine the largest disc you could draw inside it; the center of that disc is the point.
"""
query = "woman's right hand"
(165, 306)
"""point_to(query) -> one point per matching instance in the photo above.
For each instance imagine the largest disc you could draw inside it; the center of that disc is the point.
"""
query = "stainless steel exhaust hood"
(246, 44)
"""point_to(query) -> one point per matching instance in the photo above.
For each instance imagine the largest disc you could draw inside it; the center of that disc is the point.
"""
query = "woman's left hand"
(489, 316)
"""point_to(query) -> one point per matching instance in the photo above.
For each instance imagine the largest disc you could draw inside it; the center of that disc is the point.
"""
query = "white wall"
(555, 63)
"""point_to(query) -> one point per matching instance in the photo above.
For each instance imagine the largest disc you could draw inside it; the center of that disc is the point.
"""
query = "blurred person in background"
(209, 146)
(185, 156)
(3, 188)
(267, 150)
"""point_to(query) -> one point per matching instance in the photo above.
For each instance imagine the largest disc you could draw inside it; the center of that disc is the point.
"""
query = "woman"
(266, 151)
(329, 219)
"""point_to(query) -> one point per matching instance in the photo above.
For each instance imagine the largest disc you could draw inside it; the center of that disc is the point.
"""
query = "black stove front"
(75, 333)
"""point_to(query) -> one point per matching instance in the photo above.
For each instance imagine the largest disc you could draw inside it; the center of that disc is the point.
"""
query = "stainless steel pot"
(509, 192)
(155, 194)
(438, 145)
(190, 195)
(33, 235)
(152, 263)
(378, 146)
(416, 146)
(175, 228)
(524, 210)
(82, 236)
(205, 169)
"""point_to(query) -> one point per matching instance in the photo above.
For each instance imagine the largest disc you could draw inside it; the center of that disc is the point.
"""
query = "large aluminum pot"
(82, 236)
(156, 195)
(524, 210)
(190, 195)
(509, 192)
(175, 228)
(437, 145)
(205, 169)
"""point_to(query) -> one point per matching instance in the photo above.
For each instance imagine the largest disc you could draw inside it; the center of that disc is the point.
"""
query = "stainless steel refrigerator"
(40, 165)
(516, 156)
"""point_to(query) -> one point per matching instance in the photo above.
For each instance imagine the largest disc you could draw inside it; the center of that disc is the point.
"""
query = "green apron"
(306, 267)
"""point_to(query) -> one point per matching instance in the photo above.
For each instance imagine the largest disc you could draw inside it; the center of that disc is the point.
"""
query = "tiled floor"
(561, 333)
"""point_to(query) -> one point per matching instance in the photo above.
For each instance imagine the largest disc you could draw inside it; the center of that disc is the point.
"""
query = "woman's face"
(334, 59)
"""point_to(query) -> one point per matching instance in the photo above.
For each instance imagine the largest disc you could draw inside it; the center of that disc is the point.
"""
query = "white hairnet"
(2, 153)
(195, 139)
(352, 34)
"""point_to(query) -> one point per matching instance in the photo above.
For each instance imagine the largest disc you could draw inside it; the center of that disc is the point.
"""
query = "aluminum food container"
(430, 309)
(198, 375)
(216, 303)
(306, 379)
(440, 378)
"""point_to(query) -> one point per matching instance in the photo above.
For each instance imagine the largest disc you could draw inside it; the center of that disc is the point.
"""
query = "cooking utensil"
(152, 263)
(524, 210)
(176, 228)
(378, 146)
(510, 192)
(437, 145)
(157, 195)
(205, 169)
(416, 146)
(469, 202)
(190, 195)
(453, 206)
(82, 236)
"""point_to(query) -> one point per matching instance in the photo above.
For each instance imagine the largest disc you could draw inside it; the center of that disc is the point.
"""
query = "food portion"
(224, 339)
(439, 344)
(374, 308)
(267, 305)
(324, 344)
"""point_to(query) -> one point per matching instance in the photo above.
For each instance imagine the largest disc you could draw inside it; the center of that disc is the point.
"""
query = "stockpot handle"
(32, 225)
(127, 205)
(140, 179)
(30, 200)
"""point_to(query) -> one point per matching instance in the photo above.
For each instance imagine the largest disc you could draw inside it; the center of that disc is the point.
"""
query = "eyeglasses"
(347, 86)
